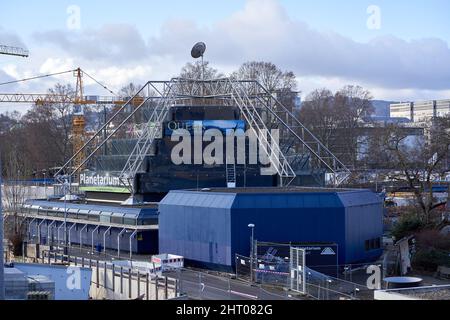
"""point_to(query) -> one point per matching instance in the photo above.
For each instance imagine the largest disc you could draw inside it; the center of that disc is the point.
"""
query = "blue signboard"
(189, 125)
(322, 258)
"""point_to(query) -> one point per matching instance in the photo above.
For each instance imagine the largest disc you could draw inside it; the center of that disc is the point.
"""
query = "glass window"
(117, 220)
(129, 221)
(93, 217)
(60, 214)
(51, 213)
(82, 216)
(106, 219)
(373, 244)
(72, 216)
(148, 221)
(367, 245)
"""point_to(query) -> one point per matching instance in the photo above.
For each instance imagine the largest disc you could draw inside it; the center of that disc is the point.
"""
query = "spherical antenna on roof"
(198, 50)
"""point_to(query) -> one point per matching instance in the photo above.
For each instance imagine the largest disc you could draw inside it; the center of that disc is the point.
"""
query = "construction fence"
(273, 265)
(199, 285)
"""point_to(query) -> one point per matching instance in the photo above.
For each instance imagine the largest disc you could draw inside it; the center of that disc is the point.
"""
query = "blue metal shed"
(210, 227)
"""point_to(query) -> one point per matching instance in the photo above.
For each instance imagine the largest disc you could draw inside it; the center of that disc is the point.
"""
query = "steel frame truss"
(260, 108)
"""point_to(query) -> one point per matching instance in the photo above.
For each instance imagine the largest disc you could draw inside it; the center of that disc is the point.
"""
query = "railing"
(318, 286)
(112, 282)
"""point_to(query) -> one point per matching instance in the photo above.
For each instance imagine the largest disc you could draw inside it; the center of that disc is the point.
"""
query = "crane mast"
(78, 119)
(78, 100)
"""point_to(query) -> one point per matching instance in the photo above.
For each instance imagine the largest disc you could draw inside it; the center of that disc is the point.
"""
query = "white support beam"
(29, 228)
(131, 247)
(81, 235)
(39, 229)
(104, 238)
(48, 230)
(92, 237)
(70, 232)
(57, 230)
(118, 241)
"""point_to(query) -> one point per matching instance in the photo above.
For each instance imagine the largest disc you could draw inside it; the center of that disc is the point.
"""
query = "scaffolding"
(296, 149)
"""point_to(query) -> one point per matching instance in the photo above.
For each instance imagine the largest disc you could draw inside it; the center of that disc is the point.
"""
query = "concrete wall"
(110, 285)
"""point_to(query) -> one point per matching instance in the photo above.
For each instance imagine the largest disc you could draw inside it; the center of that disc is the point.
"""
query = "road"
(203, 286)
(210, 287)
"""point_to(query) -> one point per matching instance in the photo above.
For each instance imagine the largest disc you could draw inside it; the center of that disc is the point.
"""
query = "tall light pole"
(45, 185)
(251, 226)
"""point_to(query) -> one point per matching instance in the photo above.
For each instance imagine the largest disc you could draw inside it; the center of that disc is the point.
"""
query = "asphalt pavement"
(202, 286)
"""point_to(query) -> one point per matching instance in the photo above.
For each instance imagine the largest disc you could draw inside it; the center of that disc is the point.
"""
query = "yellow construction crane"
(78, 119)
(78, 101)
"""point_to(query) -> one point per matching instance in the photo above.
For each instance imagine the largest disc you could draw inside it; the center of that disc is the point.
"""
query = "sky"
(398, 50)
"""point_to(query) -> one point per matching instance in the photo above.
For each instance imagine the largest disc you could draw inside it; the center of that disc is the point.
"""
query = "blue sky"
(143, 40)
(403, 18)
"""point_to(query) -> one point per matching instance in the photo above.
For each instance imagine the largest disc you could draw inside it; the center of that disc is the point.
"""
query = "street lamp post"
(45, 184)
(66, 250)
(251, 226)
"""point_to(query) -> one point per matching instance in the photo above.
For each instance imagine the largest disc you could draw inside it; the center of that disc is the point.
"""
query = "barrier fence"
(198, 285)
(116, 280)
(317, 285)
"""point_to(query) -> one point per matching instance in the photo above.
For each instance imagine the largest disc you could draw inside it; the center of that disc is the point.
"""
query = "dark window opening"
(372, 244)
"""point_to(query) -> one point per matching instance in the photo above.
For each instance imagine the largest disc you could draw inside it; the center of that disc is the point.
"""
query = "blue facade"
(209, 228)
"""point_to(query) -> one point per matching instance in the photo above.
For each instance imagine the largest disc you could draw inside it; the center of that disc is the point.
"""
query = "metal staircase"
(298, 147)
(268, 143)
(148, 136)
(91, 148)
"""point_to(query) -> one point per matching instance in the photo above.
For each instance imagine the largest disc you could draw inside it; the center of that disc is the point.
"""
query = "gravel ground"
(433, 295)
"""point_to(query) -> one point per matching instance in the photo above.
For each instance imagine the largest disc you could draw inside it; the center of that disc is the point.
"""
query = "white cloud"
(118, 53)
(8, 38)
(113, 42)
(264, 31)
(54, 65)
